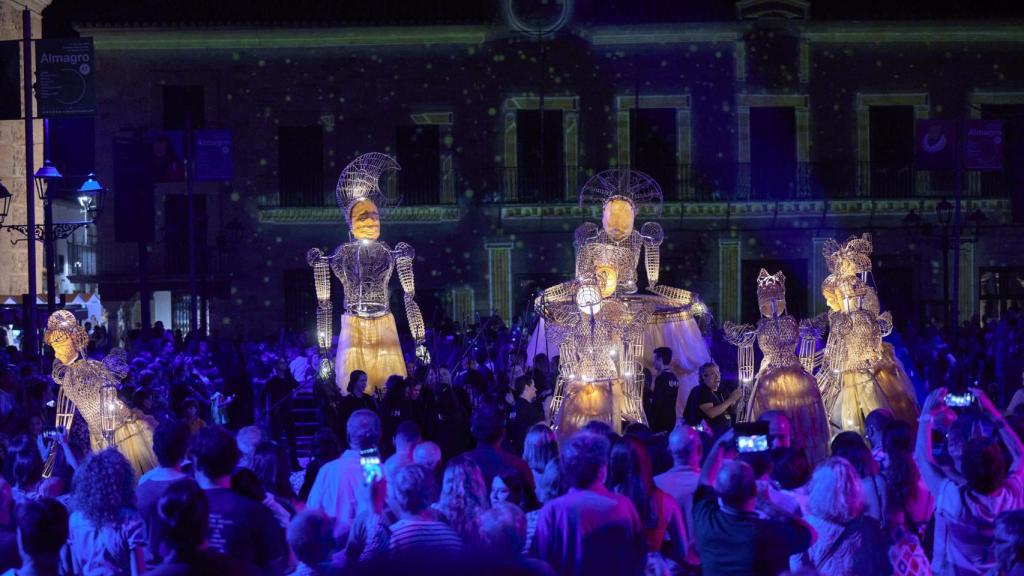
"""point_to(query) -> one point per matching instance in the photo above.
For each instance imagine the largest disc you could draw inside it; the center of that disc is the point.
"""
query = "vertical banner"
(984, 145)
(935, 145)
(213, 155)
(64, 77)
(10, 80)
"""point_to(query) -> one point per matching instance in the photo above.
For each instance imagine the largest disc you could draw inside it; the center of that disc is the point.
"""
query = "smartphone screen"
(751, 436)
(369, 459)
(959, 400)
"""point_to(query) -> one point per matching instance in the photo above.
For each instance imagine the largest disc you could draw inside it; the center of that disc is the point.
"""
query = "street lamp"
(944, 210)
(90, 196)
(5, 202)
(44, 177)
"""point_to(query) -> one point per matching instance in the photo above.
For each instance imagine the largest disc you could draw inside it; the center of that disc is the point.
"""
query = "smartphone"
(751, 436)
(959, 400)
(51, 432)
(369, 459)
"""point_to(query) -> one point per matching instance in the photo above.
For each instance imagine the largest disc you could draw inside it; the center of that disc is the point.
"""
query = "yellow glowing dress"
(781, 383)
(368, 339)
(858, 372)
(90, 386)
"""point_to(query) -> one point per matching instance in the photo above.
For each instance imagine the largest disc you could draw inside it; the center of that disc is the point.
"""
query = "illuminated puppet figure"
(858, 372)
(673, 313)
(600, 338)
(781, 383)
(368, 339)
(91, 387)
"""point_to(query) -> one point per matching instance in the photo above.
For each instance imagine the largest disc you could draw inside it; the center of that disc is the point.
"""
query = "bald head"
(684, 444)
(427, 454)
(780, 429)
(736, 485)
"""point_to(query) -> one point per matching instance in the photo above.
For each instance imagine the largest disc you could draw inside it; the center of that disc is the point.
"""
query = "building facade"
(769, 133)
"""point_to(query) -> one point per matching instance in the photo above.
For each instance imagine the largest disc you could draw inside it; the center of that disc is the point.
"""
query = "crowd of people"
(454, 470)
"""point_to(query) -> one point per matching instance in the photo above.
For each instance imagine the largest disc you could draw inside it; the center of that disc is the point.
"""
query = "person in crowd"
(629, 474)
(791, 472)
(9, 555)
(463, 497)
(190, 415)
(589, 530)
(183, 513)
(681, 481)
(539, 448)
(525, 414)
(370, 534)
(965, 513)
(417, 533)
(428, 454)
(239, 527)
(874, 426)
(488, 428)
(1008, 545)
(708, 404)
(407, 436)
(325, 447)
(270, 467)
(336, 482)
(248, 438)
(780, 429)
(508, 486)
(731, 537)
(549, 487)
(170, 444)
(310, 538)
(42, 531)
(502, 535)
(106, 534)
(907, 503)
(849, 542)
(24, 470)
(665, 387)
(851, 446)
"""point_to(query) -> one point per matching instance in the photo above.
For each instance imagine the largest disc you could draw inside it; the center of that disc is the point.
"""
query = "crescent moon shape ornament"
(360, 180)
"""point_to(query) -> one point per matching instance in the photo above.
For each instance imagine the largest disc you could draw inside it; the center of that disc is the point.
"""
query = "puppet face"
(64, 350)
(772, 307)
(365, 220)
(618, 219)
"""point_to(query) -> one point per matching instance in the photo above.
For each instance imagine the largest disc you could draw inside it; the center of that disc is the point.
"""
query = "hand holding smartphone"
(751, 436)
(369, 459)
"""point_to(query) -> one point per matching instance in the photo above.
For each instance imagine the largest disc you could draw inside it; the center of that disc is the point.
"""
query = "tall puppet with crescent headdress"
(858, 372)
(368, 339)
(91, 387)
(782, 383)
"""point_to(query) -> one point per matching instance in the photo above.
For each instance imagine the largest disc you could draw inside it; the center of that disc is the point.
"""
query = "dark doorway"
(772, 153)
(540, 150)
(894, 284)
(180, 102)
(419, 153)
(891, 145)
(653, 146)
(176, 233)
(796, 286)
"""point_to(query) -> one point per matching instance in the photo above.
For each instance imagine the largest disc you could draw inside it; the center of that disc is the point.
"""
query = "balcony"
(402, 189)
(746, 182)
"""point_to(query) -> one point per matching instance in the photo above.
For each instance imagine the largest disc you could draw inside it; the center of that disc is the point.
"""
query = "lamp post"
(944, 211)
(43, 177)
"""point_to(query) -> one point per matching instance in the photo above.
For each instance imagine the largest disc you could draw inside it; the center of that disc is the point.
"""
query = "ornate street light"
(944, 210)
(5, 202)
(90, 196)
(46, 175)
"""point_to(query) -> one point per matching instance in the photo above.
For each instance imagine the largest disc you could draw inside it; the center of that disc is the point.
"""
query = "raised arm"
(653, 235)
(931, 472)
(713, 462)
(1010, 438)
(404, 255)
(324, 309)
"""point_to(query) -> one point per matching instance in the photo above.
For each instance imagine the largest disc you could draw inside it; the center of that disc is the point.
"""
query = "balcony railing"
(401, 189)
(121, 259)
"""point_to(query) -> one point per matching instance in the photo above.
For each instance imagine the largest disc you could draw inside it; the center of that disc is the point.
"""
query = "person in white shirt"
(680, 482)
(966, 510)
(335, 486)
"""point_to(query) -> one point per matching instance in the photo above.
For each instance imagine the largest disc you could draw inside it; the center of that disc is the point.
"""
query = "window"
(653, 146)
(772, 152)
(419, 153)
(540, 149)
(891, 142)
(300, 166)
(1002, 288)
(1010, 181)
(180, 102)
(72, 145)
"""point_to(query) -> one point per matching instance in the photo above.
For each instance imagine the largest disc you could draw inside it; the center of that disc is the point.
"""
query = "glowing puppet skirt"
(134, 440)
(370, 345)
(861, 391)
(791, 390)
(587, 401)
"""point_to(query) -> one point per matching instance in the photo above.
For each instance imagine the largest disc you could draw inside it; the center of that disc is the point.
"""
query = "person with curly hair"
(107, 535)
(463, 497)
